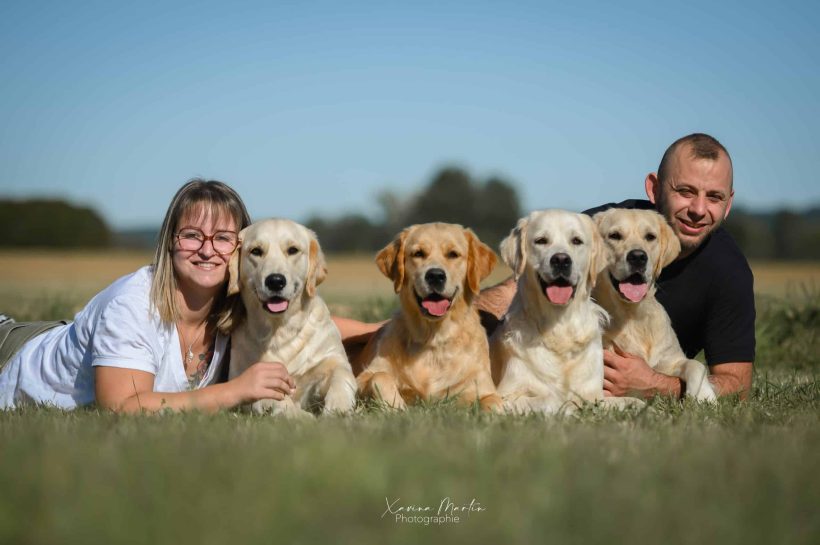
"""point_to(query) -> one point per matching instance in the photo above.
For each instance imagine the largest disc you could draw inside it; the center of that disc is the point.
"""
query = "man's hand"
(626, 374)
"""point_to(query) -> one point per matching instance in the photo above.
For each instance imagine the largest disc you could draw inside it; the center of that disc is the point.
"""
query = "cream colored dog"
(276, 269)
(641, 244)
(434, 346)
(547, 354)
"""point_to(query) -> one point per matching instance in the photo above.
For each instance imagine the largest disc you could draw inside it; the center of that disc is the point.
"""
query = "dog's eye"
(650, 237)
(256, 251)
(615, 235)
(541, 240)
(418, 253)
(452, 254)
(293, 250)
(577, 241)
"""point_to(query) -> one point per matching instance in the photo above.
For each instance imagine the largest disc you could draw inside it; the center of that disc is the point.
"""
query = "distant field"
(71, 278)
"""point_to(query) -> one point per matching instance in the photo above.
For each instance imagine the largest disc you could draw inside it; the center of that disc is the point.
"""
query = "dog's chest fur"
(440, 363)
(298, 341)
(561, 353)
(638, 329)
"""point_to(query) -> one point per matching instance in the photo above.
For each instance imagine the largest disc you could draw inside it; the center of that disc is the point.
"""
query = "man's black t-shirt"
(708, 295)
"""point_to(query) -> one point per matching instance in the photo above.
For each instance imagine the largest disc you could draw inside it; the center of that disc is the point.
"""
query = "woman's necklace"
(189, 354)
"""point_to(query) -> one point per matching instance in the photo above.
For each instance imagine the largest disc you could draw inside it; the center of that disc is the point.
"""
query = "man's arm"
(496, 299)
(626, 373)
(732, 378)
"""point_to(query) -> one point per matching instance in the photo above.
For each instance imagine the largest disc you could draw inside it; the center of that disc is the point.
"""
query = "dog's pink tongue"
(277, 306)
(559, 295)
(633, 292)
(436, 308)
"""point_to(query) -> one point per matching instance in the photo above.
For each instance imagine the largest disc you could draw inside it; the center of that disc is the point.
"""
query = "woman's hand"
(263, 380)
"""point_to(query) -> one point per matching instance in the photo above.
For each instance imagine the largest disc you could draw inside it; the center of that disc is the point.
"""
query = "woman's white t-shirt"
(118, 328)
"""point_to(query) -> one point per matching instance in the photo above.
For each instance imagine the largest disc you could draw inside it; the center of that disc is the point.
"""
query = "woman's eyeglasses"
(223, 242)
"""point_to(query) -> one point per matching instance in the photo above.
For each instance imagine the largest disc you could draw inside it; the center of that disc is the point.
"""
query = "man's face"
(695, 198)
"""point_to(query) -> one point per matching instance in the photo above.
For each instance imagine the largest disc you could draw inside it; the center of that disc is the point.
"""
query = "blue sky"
(309, 107)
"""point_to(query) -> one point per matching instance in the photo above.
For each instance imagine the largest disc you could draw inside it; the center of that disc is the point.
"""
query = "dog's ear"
(233, 265)
(598, 253)
(606, 252)
(514, 247)
(232, 314)
(390, 260)
(317, 266)
(669, 245)
(480, 261)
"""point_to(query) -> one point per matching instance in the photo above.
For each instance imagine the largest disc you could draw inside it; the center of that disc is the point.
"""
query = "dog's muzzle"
(633, 288)
(637, 259)
(559, 290)
(276, 304)
(436, 279)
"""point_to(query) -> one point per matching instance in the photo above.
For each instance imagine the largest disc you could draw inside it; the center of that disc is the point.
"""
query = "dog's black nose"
(561, 263)
(637, 259)
(436, 278)
(275, 282)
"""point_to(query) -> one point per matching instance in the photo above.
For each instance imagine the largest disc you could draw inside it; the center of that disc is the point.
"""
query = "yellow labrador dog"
(434, 346)
(641, 244)
(276, 269)
(547, 354)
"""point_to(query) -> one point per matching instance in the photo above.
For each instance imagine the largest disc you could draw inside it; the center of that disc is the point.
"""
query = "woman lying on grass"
(148, 341)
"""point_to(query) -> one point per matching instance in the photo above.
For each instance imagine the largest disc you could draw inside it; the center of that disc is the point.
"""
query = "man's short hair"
(702, 146)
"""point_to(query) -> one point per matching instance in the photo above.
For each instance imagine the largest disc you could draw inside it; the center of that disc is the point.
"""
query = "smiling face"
(640, 243)
(202, 269)
(435, 265)
(277, 261)
(695, 197)
(558, 250)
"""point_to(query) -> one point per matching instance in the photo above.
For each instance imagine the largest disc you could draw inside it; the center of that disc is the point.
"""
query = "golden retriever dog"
(547, 353)
(434, 347)
(276, 269)
(641, 244)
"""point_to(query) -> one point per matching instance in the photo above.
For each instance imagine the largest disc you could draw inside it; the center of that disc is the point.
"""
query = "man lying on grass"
(707, 291)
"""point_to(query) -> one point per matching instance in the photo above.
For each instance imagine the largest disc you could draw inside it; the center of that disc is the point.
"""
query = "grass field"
(738, 472)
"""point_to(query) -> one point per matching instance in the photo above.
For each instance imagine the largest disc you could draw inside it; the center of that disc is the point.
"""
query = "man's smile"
(689, 228)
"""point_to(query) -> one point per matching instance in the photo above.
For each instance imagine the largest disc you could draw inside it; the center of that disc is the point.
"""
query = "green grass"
(734, 472)
(788, 330)
(731, 473)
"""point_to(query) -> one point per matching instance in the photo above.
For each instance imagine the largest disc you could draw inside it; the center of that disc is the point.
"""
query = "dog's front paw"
(339, 400)
(263, 406)
(297, 414)
(396, 404)
(287, 408)
(705, 393)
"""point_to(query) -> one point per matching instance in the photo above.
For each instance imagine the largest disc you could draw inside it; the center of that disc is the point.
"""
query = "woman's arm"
(130, 390)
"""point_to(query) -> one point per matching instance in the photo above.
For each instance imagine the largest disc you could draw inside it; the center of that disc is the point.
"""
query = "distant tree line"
(51, 223)
(779, 235)
(489, 207)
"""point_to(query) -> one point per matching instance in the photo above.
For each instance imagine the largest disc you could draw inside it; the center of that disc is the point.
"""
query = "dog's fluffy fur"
(547, 354)
(434, 347)
(276, 269)
(641, 244)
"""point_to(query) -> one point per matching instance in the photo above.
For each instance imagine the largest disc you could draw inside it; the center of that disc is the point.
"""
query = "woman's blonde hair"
(211, 197)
